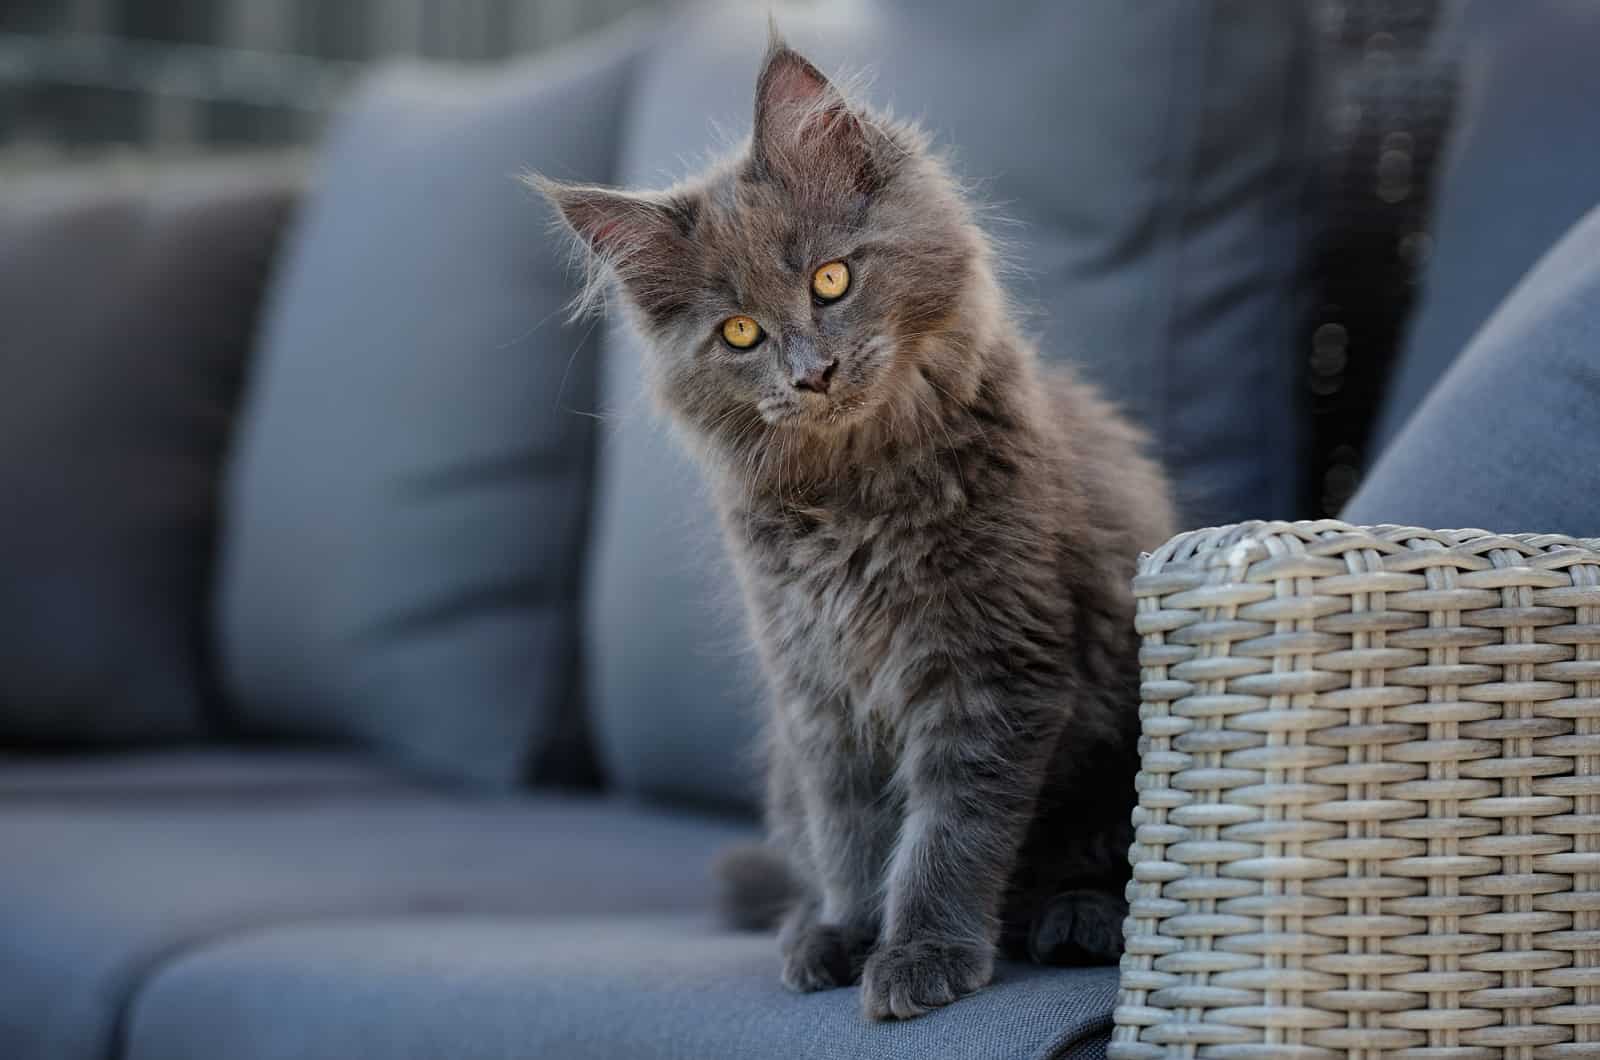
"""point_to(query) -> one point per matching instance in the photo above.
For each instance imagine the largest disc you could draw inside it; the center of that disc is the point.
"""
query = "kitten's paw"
(821, 957)
(1079, 927)
(907, 980)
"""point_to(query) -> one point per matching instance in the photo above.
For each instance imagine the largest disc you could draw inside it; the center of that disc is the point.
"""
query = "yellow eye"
(831, 281)
(741, 332)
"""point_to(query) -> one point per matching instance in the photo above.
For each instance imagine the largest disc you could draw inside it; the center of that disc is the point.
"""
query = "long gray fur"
(934, 553)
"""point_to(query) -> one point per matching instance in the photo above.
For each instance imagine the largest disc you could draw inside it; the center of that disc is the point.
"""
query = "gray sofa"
(369, 682)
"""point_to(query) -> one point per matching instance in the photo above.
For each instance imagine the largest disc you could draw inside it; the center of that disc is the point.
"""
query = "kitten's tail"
(758, 886)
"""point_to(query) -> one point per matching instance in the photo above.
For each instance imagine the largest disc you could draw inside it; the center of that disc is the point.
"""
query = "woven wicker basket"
(1369, 814)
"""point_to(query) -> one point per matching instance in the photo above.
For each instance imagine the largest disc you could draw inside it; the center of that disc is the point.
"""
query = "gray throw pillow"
(407, 508)
(1151, 161)
(127, 299)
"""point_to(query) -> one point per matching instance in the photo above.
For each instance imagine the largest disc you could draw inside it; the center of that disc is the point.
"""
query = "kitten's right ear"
(805, 132)
(639, 236)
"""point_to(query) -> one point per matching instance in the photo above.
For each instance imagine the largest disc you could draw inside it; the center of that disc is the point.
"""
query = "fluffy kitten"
(934, 537)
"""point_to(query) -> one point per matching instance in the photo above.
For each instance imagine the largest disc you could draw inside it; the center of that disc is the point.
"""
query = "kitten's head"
(808, 283)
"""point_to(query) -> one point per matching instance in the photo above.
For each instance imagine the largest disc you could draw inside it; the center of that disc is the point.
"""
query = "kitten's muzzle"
(808, 369)
(816, 379)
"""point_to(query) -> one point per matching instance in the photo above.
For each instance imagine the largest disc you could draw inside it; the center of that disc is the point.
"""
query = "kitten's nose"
(816, 376)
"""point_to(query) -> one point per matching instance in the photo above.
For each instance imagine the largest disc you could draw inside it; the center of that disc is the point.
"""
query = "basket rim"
(1240, 544)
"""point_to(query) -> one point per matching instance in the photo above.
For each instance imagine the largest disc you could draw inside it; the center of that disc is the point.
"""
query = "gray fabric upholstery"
(1089, 1047)
(189, 773)
(663, 988)
(408, 504)
(94, 896)
(1509, 439)
(127, 300)
(1153, 156)
(1524, 166)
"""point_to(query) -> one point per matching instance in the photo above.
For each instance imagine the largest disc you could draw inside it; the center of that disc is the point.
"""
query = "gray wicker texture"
(1369, 806)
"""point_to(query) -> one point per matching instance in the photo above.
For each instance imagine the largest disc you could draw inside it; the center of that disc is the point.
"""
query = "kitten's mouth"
(849, 398)
(812, 410)
(798, 408)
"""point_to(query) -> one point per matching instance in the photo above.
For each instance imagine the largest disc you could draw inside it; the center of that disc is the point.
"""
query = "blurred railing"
(182, 76)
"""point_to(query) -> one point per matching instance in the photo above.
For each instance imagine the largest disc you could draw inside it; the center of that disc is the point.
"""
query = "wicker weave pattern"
(1369, 814)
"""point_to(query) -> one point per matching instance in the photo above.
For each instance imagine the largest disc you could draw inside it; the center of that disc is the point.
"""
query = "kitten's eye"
(831, 281)
(741, 332)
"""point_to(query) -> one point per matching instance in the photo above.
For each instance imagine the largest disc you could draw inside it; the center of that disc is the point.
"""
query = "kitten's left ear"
(805, 132)
(640, 237)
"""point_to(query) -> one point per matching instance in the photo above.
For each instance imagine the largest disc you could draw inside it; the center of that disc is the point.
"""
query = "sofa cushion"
(127, 298)
(1153, 157)
(95, 894)
(407, 507)
(665, 987)
(1524, 165)
(210, 772)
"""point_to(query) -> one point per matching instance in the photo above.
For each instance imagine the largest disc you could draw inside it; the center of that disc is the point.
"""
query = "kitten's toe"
(907, 980)
(1079, 927)
(821, 957)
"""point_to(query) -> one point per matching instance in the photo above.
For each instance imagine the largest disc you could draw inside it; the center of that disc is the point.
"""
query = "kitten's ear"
(805, 131)
(642, 237)
(615, 225)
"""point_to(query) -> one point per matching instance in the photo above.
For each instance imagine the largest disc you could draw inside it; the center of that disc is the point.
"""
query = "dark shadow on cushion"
(1524, 166)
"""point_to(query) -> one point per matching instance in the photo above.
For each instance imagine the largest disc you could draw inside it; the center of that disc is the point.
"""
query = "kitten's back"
(1109, 457)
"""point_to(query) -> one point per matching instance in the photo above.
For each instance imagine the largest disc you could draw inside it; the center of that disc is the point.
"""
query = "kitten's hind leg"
(758, 886)
(1078, 927)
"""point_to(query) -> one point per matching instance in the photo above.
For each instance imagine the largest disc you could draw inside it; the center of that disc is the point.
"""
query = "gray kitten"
(934, 538)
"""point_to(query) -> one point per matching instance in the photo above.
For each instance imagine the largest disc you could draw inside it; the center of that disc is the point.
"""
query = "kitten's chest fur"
(841, 591)
(992, 550)
(857, 583)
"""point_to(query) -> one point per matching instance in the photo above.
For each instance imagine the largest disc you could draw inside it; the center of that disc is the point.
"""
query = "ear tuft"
(775, 40)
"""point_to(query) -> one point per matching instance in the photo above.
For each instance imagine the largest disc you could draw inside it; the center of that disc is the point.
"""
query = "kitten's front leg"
(818, 955)
(846, 833)
(970, 777)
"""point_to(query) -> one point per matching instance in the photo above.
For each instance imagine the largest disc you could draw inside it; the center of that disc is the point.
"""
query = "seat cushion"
(95, 894)
(127, 303)
(495, 988)
(1524, 166)
(190, 773)
(1151, 159)
(407, 507)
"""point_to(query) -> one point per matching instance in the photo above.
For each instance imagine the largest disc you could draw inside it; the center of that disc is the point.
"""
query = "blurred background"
(122, 80)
